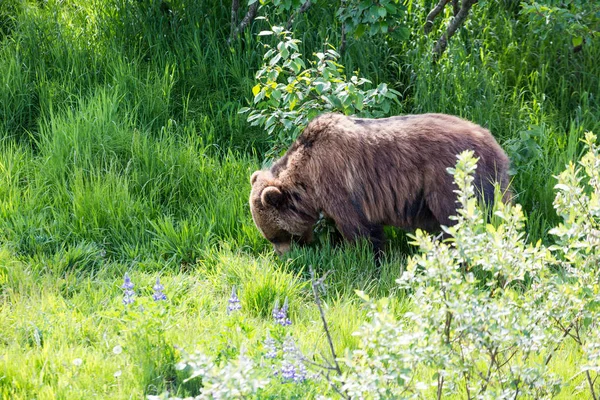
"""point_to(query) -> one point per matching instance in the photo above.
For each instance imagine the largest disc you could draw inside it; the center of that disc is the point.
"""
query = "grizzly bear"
(367, 173)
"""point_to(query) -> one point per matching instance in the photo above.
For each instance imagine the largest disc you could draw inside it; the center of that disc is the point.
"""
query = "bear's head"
(277, 213)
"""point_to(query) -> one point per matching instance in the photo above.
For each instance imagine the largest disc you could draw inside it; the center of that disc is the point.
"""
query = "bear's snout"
(281, 248)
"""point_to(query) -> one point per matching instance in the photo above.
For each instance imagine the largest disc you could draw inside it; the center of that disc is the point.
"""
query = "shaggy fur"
(367, 173)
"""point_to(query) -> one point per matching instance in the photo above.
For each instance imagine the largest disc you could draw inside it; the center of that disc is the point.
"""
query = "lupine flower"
(292, 367)
(128, 293)
(234, 302)
(280, 314)
(158, 291)
(288, 371)
(271, 347)
(289, 347)
(293, 371)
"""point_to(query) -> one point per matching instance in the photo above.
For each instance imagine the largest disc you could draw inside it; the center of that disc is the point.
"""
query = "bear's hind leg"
(442, 207)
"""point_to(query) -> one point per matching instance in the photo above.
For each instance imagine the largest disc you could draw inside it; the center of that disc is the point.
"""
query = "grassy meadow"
(122, 151)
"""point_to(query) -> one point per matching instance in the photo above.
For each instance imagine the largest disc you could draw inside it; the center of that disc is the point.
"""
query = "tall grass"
(122, 150)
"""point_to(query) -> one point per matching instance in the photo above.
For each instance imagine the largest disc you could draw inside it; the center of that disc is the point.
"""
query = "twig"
(329, 365)
(465, 373)
(568, 330)
(508, 359)
(334, 386)
(302, 9)
(440, 386)
(434, 13)
(315, 283)
(589, 379)
(448, 323)
(248, 18)
(566, 333)
(489, 372)
(315, 364)
(459, 19)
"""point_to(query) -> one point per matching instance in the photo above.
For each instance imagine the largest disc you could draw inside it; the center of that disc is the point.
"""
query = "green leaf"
(577, 41)
(265, 33)
(322, 87)
(383, 26)
(385, 107)
(360, 30)
(272, 75)
(364, 5)
(275, 60)
(374, 29)
(295, 66)
(276, 94)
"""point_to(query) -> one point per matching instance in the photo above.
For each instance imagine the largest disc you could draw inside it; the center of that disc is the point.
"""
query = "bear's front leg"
(373, 232)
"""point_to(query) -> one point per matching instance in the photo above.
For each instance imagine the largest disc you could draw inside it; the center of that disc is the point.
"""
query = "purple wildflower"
(281, 314)
(234, 302)
(300, 373)
(270, 346)
(288, 371)
(158, 291)
(292, 367)
(128, 293)
(289, 347)
(293, 371)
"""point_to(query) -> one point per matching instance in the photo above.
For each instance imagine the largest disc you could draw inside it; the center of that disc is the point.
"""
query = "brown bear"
(367, 173)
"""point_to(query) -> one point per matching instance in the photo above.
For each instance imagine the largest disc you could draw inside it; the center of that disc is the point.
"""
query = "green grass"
(121, 150)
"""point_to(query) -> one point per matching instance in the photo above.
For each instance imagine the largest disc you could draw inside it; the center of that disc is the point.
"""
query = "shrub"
(288, 93)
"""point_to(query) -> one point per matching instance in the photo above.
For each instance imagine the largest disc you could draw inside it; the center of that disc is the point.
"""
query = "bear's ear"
(272, 196)
(254, 177)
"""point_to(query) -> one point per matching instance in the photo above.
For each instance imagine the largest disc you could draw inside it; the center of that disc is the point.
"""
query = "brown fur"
(367, 173)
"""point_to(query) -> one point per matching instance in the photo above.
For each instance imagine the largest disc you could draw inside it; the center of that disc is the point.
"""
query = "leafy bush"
(375, 18)
(575, 20)
(288, 94)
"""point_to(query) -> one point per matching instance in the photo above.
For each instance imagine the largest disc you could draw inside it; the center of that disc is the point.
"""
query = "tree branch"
(235, 7)
(458, 20)
(434, 13)
(302, 9)
(455, 7)
(248, 18)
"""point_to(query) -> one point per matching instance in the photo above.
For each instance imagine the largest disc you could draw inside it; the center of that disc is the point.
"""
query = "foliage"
(288, 94)
(375, 18)
(280, 6)
(578, 20)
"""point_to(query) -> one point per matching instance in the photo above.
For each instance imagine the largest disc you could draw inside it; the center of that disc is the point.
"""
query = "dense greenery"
(122, 150)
